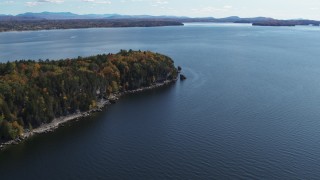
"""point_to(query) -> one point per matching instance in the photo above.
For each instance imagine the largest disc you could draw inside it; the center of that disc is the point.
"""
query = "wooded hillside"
(36, 92)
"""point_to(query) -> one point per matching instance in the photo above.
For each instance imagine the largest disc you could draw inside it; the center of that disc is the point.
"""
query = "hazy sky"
(283, 9)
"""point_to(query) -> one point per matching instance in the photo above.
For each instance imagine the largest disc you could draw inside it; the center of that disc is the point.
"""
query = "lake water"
(250, 108)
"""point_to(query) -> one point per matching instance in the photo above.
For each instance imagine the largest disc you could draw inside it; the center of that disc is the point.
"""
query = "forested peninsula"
(36, 93)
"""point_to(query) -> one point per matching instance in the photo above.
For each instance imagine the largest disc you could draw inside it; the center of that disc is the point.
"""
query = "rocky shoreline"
(57, 122)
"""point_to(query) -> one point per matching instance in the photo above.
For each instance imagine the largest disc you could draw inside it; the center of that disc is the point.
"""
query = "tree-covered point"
(35, 92)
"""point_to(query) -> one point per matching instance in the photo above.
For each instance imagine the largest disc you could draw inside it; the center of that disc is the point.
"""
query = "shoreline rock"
(57, 122)
(182, 77)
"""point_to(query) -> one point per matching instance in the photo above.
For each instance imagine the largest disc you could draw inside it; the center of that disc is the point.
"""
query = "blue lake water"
(250, 108)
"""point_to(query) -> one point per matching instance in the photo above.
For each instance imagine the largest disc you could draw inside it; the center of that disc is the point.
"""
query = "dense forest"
(35, 92)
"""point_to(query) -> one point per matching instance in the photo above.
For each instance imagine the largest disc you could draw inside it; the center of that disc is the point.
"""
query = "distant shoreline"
(57, 122)
(36, 25)
(23, 26)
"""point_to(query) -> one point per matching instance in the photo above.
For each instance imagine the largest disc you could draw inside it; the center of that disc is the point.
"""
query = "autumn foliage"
(36, 92)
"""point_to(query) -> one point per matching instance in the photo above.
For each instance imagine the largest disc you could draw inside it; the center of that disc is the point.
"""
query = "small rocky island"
(182, 77)
(38, 96)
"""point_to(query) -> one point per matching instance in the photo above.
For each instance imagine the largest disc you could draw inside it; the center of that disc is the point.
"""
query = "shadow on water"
(69, 133)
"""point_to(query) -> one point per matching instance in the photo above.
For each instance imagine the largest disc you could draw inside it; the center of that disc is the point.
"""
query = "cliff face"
(33, 93)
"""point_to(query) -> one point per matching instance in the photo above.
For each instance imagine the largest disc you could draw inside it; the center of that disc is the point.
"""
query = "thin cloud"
(227, 7)
(32, 4)
(97, 2)
(161, 2)
(7, 2)
(103, 2)
(36, 3)
(50, 1)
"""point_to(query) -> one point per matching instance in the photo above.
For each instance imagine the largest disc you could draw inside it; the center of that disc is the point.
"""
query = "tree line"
(29, 25)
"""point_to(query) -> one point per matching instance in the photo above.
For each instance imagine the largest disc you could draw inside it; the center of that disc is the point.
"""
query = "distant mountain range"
(258, 21)
(69, 15)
